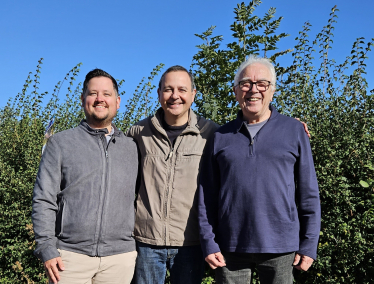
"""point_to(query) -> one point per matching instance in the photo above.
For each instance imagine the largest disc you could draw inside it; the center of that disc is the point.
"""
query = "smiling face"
(255, 104)
(100, 102)
(176, 97)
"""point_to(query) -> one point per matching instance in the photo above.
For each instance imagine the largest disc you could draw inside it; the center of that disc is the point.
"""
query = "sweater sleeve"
(307, 198)
(208, 200)
(44, 205)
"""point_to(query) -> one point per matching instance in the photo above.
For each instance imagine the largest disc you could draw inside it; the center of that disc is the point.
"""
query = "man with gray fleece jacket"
(83, 204)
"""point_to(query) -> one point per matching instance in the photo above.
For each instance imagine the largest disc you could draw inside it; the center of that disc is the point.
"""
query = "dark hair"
(98, 73)
(174, 69)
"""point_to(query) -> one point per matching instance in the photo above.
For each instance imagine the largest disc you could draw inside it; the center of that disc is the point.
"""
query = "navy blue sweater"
(259, 195)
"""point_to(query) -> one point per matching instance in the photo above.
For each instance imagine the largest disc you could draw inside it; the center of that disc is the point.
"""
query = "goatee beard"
(99, 122)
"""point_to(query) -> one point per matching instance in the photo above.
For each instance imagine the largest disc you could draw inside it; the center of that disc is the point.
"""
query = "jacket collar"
(100, 131)
(240, 122)
(192, 126)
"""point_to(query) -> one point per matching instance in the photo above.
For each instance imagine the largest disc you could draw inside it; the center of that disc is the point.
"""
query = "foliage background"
(332, 97)
(129, 38)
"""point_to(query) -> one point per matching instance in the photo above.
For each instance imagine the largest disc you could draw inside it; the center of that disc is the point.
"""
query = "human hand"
(215, 260)
(302, 262)
(305, 127)
(52, 267)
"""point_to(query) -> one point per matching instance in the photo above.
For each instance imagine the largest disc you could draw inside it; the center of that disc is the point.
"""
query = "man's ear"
(234, 90)
(193, 94)
(272, 95)
(159, 94)
(82, 99)
(118, 101)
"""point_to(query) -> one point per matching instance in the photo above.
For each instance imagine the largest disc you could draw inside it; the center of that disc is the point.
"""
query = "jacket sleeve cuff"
(311, 255)
(46, 253)
(209, 247)
(308, 249)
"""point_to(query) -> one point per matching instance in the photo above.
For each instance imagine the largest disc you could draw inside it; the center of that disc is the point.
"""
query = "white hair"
(255, 59)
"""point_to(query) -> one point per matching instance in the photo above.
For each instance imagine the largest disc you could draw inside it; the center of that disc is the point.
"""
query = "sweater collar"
(99, 131)
(192, 126)
(240, 122)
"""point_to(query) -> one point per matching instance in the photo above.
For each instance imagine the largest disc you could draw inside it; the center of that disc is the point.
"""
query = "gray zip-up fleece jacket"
(84, 194)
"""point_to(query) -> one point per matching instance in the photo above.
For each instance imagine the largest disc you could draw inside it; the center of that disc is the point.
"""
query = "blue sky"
(129, 38)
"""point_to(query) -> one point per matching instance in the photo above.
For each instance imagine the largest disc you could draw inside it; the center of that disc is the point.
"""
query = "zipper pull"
(252, 140)
(106, 153)
(170, 154)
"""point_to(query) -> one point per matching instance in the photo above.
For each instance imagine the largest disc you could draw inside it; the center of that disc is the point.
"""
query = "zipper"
(103, 197)
(170, 154)
(61, 211)
(168, 180)
(251, 146)
(169, 164)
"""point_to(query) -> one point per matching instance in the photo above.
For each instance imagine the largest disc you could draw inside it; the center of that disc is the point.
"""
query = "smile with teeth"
(174, 104)
(253, 99)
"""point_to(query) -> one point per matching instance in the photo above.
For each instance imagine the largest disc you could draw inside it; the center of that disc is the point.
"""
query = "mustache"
(100, 104)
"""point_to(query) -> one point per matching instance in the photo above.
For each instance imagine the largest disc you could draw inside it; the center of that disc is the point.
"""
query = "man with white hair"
(258, 196)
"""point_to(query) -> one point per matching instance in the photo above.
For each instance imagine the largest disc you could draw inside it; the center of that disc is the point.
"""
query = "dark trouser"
(273, 268)
(186, 264)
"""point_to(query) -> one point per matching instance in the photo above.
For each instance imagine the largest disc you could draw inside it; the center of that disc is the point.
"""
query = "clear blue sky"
(129, 38)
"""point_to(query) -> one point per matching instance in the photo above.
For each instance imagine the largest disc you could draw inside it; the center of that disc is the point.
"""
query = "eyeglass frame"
(255, 83)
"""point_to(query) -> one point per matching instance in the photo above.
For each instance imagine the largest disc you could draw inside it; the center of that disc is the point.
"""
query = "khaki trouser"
(83, 269)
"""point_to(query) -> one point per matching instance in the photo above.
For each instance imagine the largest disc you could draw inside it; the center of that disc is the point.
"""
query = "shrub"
(335, 102)
(22, 125)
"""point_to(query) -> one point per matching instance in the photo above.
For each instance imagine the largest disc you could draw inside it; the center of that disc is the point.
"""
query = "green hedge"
(332, 98)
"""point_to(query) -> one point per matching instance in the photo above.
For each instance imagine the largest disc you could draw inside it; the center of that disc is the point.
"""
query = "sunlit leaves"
(22, 124)
(333, 98)
(214, 66)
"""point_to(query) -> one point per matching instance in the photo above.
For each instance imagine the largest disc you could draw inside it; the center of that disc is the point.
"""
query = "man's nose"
(175, 94)
(99, 97)
(253, 88)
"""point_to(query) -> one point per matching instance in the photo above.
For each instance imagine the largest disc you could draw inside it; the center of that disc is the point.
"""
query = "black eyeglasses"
(261, 85)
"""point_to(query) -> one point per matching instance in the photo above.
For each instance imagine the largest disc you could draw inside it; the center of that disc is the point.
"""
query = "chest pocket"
(186, 172)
